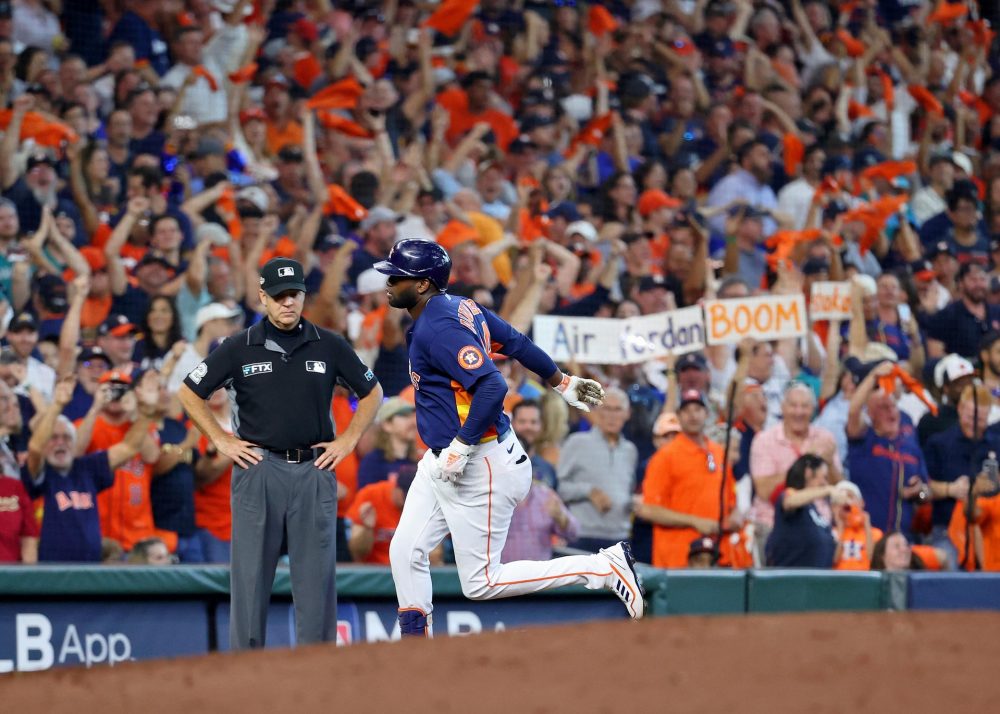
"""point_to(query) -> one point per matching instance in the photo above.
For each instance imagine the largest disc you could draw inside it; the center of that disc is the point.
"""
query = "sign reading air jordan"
(317, 367)
(249, 370)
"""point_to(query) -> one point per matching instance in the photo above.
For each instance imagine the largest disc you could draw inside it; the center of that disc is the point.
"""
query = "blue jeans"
(214, 550)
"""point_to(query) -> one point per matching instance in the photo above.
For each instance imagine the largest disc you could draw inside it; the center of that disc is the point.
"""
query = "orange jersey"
(125, 509)
(854, 553)
(986, 537)
(347, 470)
(212, 507)
(678, 477)
(387, 515)
(290, 133)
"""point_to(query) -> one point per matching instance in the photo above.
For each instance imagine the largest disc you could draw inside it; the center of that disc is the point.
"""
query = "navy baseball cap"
(23, 321)
(564, 210)
(281, 274)
(692, 396)
(692, 360)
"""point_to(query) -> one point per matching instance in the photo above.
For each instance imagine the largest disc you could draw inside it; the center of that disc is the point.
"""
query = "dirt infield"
(817, 663)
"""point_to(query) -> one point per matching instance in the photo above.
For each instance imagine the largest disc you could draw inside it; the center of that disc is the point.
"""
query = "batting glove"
(451, 463)
(580, 393)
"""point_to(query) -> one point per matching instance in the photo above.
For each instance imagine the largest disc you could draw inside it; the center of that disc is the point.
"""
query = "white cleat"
(624, 581)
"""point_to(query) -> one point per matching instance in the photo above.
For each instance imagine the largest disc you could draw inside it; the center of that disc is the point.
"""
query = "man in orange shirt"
(282, 128)
(125, 509)
(472, 106)
(680, 493)
(374, 516)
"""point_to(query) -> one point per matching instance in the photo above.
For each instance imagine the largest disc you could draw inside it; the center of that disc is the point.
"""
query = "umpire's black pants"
(269, 500)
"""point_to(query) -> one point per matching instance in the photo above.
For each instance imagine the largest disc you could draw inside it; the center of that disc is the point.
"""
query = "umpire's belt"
(293, 456)
(499, 439)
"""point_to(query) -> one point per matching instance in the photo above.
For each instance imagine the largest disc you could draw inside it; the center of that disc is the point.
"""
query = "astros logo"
(470, 358)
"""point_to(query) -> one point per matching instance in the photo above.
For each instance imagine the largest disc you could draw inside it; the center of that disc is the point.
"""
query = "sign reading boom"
(770, 317)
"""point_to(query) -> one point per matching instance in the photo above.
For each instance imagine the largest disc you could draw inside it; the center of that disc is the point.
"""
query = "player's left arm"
(577, 391)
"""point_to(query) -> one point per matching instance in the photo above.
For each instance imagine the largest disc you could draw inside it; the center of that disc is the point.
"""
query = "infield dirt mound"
(817, 663)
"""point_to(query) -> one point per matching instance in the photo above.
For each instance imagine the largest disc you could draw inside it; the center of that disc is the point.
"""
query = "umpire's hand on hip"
(452, 461)
(333, 453)
(241, 452)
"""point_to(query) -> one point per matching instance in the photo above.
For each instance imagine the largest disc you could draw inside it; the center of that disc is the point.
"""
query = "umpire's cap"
(414, 258)
(281, 274)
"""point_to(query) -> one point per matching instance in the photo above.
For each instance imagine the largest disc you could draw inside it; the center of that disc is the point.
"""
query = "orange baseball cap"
(655, 199)
(115, 375)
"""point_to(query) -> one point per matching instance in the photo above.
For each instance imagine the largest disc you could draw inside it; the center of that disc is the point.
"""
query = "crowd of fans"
(607, 159)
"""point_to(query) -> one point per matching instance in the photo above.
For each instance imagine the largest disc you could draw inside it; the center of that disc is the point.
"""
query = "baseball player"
(475, 471)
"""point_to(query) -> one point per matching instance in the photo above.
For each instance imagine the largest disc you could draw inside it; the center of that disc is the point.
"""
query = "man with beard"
(750, 184)
(71, 530)
(959, 327)
(38, 186)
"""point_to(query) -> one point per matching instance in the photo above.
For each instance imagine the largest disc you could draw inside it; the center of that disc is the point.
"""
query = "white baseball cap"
(215, 311)
(850, 487)
(213, 233)
(255, 195)
(371, 281)
(950, 368)
(582, 228)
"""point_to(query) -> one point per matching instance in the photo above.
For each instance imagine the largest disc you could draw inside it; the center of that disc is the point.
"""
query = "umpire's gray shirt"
(588, 460)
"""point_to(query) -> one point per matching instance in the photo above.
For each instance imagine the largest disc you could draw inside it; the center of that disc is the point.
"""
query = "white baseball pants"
(477, 511)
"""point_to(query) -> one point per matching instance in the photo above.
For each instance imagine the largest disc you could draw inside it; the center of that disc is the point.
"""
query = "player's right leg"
(421, 528)
(479, 511)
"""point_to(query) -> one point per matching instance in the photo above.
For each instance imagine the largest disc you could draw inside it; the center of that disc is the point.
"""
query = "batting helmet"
(414, 258)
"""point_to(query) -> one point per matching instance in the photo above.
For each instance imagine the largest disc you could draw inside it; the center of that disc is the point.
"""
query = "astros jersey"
(450, 345)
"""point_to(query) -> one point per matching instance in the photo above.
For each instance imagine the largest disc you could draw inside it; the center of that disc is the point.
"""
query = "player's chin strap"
(413, 623)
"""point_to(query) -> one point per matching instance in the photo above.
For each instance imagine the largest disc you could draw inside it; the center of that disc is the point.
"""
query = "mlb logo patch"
(285, 272)
(250, 370)
(318, 367)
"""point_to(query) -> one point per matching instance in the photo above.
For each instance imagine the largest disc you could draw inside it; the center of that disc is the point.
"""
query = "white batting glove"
(451, 463)
(581, 393)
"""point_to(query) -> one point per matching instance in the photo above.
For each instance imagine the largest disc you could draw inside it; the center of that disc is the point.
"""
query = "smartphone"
(905, 315)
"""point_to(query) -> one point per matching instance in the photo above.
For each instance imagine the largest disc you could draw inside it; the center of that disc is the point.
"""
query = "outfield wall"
(90, 615)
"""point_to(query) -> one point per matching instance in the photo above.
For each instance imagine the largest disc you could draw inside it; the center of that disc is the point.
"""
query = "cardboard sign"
(765, 318)
(592, 340)
(830, 301)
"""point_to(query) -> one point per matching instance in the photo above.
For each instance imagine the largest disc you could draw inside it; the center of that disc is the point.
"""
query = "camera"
(117, 390)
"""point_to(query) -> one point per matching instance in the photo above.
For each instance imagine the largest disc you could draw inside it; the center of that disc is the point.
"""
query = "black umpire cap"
(281, 274)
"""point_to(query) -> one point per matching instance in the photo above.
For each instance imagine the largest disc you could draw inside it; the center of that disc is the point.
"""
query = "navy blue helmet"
(414, 258)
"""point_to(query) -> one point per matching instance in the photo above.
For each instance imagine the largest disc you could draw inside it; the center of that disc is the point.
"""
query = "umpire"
(280, 375)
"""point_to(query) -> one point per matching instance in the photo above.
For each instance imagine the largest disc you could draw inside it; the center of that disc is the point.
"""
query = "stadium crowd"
(610, 159)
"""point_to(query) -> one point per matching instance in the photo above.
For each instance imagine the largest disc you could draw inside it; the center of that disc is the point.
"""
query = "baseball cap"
(405, 476)
(692, 396)
(394, 406)
(651, 282)
(213, 233)
(40, 157)
(116, 325)
(306, 29)
(950, 368)
(692, 360)
(154, 258)
(963, 162)
(252, 114)
(702, 545)
(52, 293)
(851, 488)
(255, 195)
(535, 121)
(565, 210)
(115, 375)
(940, 247)
(666, 424)
(281, 274)
(371, 281)
(655, 199)
(89, 354)
(923, 270)
(23, 321)
(520, 144)
(214, 311)
(582, 228)
(379, 214)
